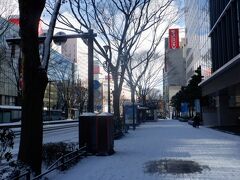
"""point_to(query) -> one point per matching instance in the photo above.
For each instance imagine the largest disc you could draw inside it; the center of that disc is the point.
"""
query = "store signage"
(15, 20)
(173, 38)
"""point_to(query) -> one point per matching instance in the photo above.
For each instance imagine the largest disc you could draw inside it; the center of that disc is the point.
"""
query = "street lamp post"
(49, 100)
(106, 48)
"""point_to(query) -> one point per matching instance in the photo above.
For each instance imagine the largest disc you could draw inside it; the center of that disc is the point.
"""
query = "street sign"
(96, 84)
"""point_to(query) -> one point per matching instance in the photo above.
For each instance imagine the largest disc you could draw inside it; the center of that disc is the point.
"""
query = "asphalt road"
(54, 133)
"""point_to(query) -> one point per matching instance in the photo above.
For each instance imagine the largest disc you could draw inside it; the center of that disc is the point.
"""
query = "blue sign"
(184, 109)
(99, 107)
(96, 84)
(128, 113)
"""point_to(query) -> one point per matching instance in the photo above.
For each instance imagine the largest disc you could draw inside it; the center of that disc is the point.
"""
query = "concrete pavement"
(162, 140)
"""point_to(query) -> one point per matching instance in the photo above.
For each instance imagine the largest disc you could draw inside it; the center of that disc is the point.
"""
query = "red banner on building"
(173, 38)
(96, 70)
(16, 21)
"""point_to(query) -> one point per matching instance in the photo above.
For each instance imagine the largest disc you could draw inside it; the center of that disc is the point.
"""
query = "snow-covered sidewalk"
(165, 139)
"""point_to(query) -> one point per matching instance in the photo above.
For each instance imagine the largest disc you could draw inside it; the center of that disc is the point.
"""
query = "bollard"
(87, 132)
(105, 134)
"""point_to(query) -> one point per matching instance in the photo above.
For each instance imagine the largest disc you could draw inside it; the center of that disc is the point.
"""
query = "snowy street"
(54, 133)
(165, 139)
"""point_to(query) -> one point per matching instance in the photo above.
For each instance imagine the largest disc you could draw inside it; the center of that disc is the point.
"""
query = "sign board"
(184, 109)
(96, 70)
(128, 114)
(173, 38)
(15, 20)
(110, 77)
(96, 84)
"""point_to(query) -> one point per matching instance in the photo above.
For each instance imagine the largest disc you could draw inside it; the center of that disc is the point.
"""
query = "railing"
(18, 124)
(60, 163)
(26, 174)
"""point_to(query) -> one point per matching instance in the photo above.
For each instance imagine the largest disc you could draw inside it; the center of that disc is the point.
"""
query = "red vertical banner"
(173, 38)
(40, 29)
(96, 70)
(15, 20)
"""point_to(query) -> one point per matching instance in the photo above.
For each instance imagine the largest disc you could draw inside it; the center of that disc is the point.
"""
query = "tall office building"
(198, 45)
(77, 50)
(223, 87)
(174, 70)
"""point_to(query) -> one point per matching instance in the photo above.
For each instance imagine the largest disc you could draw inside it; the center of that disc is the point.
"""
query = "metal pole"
(133, 106)
(90, 71)
(49, 98)
(109, 97)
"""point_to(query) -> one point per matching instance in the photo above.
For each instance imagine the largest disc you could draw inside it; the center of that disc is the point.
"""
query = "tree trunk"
(144, 105)
(133, 104)
(30, 150)
(116, 103)
(35, 82)
(66, 109)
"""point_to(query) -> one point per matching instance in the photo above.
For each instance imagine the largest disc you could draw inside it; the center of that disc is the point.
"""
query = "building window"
(13, 51)
(234, 101)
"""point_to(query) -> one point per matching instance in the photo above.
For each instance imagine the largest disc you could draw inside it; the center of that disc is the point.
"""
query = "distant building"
(8, 66)
(101, 93)
(174, 75)
(77, 51)
(60, 69)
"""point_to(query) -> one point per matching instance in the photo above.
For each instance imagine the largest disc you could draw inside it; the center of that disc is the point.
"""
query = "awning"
(227, 75)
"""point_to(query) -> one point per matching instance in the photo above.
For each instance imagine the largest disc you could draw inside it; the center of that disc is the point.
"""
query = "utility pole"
(90, 107)
(106, 48)
(49, 99)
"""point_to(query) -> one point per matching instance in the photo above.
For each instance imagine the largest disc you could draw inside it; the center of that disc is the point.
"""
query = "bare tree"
(81, 95)
(150, 80)
(10, 67)
(7, 8)
(136, 70)
(153, 98)
(121, 25)
(61, 72)
(35, 80)
(71, 90)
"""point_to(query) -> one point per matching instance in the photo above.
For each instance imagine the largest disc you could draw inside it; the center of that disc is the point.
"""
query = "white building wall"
(77, 50)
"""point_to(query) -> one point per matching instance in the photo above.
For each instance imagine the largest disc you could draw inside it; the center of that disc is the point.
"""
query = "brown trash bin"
(87, 132)
(105, 134)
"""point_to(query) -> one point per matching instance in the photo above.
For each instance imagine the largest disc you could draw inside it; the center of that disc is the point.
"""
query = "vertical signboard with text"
(15, 20)
(173, 38)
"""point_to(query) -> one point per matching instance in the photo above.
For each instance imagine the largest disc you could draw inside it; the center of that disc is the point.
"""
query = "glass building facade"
(222, 88)
(198, 43)
(224, 31)
(9, 57)
(61, 76)
(60, 67)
